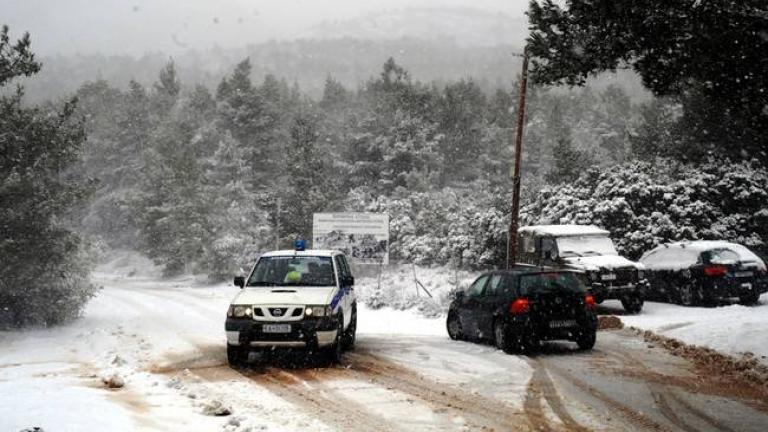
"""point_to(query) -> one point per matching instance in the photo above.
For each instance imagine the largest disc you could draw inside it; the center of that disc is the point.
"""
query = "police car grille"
(278, 312)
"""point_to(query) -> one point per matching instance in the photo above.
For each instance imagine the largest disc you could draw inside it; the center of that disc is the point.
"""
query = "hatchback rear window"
(550, 282)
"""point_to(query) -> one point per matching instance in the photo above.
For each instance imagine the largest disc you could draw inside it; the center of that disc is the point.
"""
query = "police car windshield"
(539, 283)
(292, 271)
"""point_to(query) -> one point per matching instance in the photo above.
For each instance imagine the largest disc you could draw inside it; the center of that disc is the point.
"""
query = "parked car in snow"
(700, 272)
(294, 299)
(520, 307)
(589, 250)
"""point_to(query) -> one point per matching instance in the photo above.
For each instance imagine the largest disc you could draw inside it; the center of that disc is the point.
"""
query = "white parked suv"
(294, 299)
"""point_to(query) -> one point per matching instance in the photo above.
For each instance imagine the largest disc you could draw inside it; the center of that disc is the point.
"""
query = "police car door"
(345, 287)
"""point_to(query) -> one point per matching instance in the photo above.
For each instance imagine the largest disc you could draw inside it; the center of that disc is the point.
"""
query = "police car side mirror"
(240, 281)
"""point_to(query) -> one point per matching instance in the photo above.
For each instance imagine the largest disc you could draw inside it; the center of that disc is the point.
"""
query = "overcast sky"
(138, 26)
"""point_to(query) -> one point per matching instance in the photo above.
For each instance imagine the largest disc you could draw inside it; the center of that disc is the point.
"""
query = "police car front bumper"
(307, 333)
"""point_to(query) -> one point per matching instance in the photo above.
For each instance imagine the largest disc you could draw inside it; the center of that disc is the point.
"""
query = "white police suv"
(298, 299)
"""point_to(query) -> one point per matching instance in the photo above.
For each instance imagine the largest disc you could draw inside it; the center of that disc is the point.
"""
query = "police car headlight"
(239, 311)
(317, 311)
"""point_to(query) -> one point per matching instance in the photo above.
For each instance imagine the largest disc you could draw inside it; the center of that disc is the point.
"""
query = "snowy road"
(165, 340)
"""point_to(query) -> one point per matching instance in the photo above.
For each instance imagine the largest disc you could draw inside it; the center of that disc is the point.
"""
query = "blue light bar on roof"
(299, 244)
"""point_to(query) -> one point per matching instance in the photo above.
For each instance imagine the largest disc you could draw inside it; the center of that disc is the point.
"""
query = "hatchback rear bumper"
(529, 327)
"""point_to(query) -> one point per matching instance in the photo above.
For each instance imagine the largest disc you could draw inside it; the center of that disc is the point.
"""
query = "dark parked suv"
(702, 271)
(518, 308)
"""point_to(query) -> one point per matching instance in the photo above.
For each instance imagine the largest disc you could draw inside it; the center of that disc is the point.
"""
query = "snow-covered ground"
(149, 332)
(165, 340)
(732, 329)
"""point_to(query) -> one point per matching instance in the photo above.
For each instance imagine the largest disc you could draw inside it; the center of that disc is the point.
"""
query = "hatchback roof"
(527, 268)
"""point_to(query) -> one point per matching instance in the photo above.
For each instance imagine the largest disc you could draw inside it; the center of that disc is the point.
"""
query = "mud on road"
(623, 384)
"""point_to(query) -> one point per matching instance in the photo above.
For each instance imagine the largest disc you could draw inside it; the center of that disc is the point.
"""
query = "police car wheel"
(349, 334)
(236, 356)
(334, 352)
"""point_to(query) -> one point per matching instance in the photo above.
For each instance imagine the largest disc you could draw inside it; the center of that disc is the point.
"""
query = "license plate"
(608, 277)
(562, 323)
(276, 328)
(744, 274)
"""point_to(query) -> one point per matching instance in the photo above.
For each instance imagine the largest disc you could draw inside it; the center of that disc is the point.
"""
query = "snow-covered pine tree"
(44, 273)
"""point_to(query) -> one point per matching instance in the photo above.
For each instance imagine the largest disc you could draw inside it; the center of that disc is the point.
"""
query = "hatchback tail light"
(589, 302)
(715, 270)
(520, 306)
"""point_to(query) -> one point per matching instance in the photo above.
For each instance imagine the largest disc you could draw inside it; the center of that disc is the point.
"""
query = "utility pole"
(513, 219)
(277, 223)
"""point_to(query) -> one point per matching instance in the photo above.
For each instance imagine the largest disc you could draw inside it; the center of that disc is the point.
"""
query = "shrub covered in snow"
(644, 204)
(396, 288)
(465, 227)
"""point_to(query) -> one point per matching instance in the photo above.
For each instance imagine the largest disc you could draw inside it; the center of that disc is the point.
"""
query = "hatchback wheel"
(586, 341)
(501, 337)
(454, 327)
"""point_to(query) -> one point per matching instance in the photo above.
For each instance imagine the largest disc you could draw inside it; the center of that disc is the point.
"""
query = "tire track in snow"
(702, 415)
(636, 418)
(541, 386)
(480, 411)
(330, 409)
(661, 394)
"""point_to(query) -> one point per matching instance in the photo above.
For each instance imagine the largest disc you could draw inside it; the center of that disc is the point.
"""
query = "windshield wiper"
(570, 253)
(261, 283)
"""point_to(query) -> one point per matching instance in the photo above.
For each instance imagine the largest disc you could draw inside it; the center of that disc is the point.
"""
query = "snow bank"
(733, 329)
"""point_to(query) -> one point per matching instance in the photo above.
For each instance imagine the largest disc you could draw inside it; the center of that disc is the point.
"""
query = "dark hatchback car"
(520, 307)
(702, 272)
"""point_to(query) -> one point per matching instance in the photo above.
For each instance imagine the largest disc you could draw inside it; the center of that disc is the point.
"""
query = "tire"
(501, 337)
(334, 353)
(750, 298)
(586, 341)
(453, 325)
(687, 294)
(633, 304)
(350, 335)
(236, 356)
